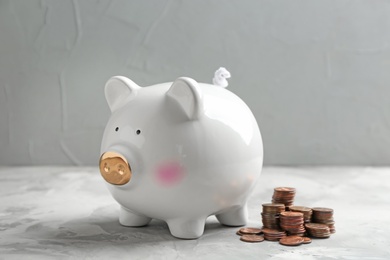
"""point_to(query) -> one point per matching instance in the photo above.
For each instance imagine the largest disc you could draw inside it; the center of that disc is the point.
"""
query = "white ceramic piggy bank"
(179, 152)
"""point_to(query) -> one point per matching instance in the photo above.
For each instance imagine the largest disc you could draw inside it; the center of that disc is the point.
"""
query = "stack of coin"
(292, 222)
(273, 234)
(318, 230)
(288, 224)
(270, 215)
(332, 228)
(250, 234)
(307, 212)
(284, 195)
(324, 216)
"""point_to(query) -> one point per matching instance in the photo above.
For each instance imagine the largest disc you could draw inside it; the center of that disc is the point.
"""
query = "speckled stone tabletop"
(62, 212)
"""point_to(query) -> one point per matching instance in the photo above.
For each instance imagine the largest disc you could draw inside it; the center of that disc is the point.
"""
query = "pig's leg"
(131, 219)
(236, 216)
(187, 228)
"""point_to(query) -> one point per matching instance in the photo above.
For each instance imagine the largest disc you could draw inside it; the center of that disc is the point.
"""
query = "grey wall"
(315, 73)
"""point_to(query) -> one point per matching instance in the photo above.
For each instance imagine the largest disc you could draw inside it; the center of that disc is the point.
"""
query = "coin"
(316, 226)
(291, 241)
(250, 230)
(324, 210)
(318, 230)
(291, 214)
(270, 214)
(239, 233)
(307, 212)
(273, 234)
(332, 228)
(273, 208)
(300, 208)
(284, 195)
(272, 231)
(292, 222)
(284, 189)
(270, 220)
(324, 216)
(252, 238)
(289, 224)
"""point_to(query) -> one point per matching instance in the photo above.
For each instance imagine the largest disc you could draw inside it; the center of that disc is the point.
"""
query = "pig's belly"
(202, 193)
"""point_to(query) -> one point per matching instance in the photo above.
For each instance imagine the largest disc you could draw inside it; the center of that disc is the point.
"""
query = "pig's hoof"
(130, 219)
(236, 216)
(186, 229)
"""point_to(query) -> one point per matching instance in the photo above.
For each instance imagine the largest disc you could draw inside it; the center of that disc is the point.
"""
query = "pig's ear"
(119, 89)
(186, 93)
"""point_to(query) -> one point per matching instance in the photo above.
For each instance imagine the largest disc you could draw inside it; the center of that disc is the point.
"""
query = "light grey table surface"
(62, 212)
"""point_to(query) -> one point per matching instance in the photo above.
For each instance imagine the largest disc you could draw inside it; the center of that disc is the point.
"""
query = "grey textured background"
(315, 73)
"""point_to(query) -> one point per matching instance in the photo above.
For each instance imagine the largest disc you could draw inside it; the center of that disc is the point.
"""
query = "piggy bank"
(179, 152)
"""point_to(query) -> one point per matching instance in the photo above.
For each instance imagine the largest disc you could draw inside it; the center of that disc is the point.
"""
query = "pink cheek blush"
(169, 173)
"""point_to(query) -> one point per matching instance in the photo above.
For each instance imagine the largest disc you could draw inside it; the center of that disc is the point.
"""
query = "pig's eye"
(138, 132)
(116, 129)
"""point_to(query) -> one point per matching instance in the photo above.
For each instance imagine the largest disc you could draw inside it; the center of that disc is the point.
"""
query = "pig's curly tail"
(220, 77)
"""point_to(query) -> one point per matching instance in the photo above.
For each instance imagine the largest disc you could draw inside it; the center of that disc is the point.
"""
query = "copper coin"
(292, 229)
(300, 208)
(273, 208)
(250, 230)
(291, 241)
(306, 240)
(323, 209)
(291, 214)
(298, 234)
(273, 205)
(272, 231)
(316, 226)
(320, 236)
(239, 233)
(252, 238)
(284, 189)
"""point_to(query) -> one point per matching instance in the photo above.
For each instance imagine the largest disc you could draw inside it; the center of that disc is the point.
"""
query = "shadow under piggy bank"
(111, 231)
(104, 236)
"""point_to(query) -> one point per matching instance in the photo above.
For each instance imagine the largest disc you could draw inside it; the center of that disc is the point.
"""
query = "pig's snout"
(114, 168)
